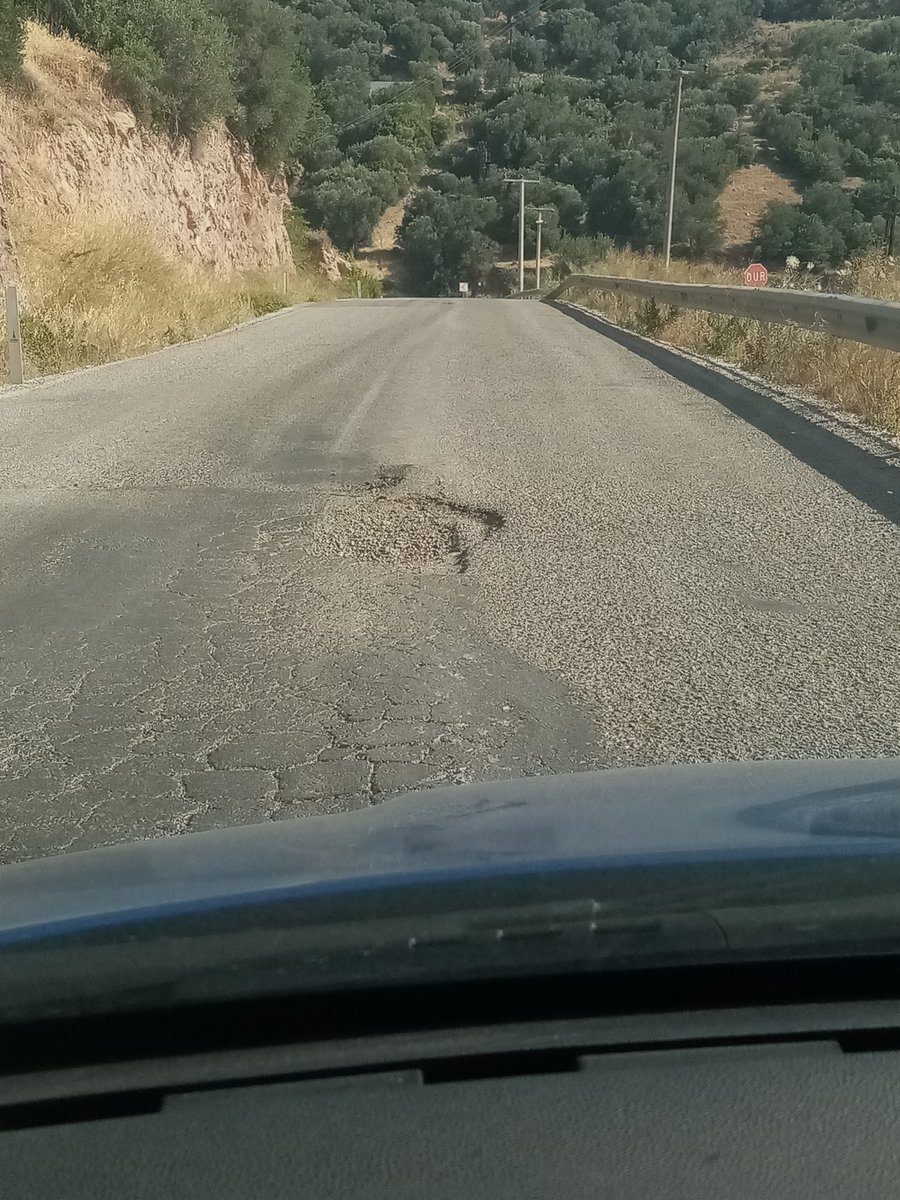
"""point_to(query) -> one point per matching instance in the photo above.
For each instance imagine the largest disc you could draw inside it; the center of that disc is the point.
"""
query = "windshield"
(404, 398)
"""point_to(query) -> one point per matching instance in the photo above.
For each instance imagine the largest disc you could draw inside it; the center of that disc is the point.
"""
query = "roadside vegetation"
(292, 78)
(480, 89)
(583, 103)
(101, 288)
(97, 286)
(836, 130)
(862, 380)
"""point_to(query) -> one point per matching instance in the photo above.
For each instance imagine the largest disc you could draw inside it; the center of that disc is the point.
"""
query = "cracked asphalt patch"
(222, 600)
(248, 677)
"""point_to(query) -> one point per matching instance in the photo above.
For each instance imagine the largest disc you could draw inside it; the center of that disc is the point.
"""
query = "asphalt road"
(357, 548)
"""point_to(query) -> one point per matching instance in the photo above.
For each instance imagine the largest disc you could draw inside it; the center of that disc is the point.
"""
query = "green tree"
(826, 228)
(410, 40)
(347, 201)
(173, 59)
(273, 92)
(527, 51)
(575, 253)
(579, 40)
(408, 122)
(443, 241)
(345, 96)
(742, 90)
(385, 153)
(317, 147)
(468, 87)
(90, 21)
(629, 202)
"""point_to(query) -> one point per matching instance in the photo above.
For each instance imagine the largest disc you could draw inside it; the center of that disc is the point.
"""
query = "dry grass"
(63, 85)
(854, 378)
(100, 288)
(58, 63)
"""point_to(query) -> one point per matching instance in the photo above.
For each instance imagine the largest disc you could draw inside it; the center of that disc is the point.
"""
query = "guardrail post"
(14, 336)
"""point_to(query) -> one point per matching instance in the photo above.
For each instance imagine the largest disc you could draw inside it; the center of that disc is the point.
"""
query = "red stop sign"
(756, 275)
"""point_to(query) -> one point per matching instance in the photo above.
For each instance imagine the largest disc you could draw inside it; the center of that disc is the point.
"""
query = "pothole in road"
(420, 533)
(389, 477)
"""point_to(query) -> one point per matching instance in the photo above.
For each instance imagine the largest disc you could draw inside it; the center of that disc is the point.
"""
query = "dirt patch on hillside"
(384, 235)
(745, 198)
(381, 255)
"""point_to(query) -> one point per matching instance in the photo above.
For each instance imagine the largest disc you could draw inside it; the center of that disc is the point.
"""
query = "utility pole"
(521, 183)
(483, 159)
(670, 216)
(891, 223)
(537, 250)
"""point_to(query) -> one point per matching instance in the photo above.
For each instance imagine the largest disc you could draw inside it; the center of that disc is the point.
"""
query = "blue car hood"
(712, 812)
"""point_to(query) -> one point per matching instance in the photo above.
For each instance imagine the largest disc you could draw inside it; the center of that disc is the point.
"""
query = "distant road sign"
(464, 289)
(756, 275)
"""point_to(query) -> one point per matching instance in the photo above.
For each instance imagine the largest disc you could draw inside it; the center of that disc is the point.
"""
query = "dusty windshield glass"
(399, 396)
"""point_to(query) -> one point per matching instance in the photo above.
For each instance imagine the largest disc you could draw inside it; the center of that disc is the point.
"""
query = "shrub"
(468, 88)
(724, 336)
(272, 88)
(174, 60)
(826, 228)
(265, 300)
(12, 40)
(741, 90)
(370, 287)
(385, 153)
(573, 253)
(346, 201)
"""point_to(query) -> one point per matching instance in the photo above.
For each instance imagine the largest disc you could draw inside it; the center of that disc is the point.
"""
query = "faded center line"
(358, 415)
(422, 334)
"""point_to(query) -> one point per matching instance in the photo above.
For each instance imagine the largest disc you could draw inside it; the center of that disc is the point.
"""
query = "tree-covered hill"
(365, 102)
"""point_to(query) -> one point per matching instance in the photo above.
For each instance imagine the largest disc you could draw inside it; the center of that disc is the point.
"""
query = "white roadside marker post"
(14, 336)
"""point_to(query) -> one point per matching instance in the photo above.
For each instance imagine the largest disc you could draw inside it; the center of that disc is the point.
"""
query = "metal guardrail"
(873, 322)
